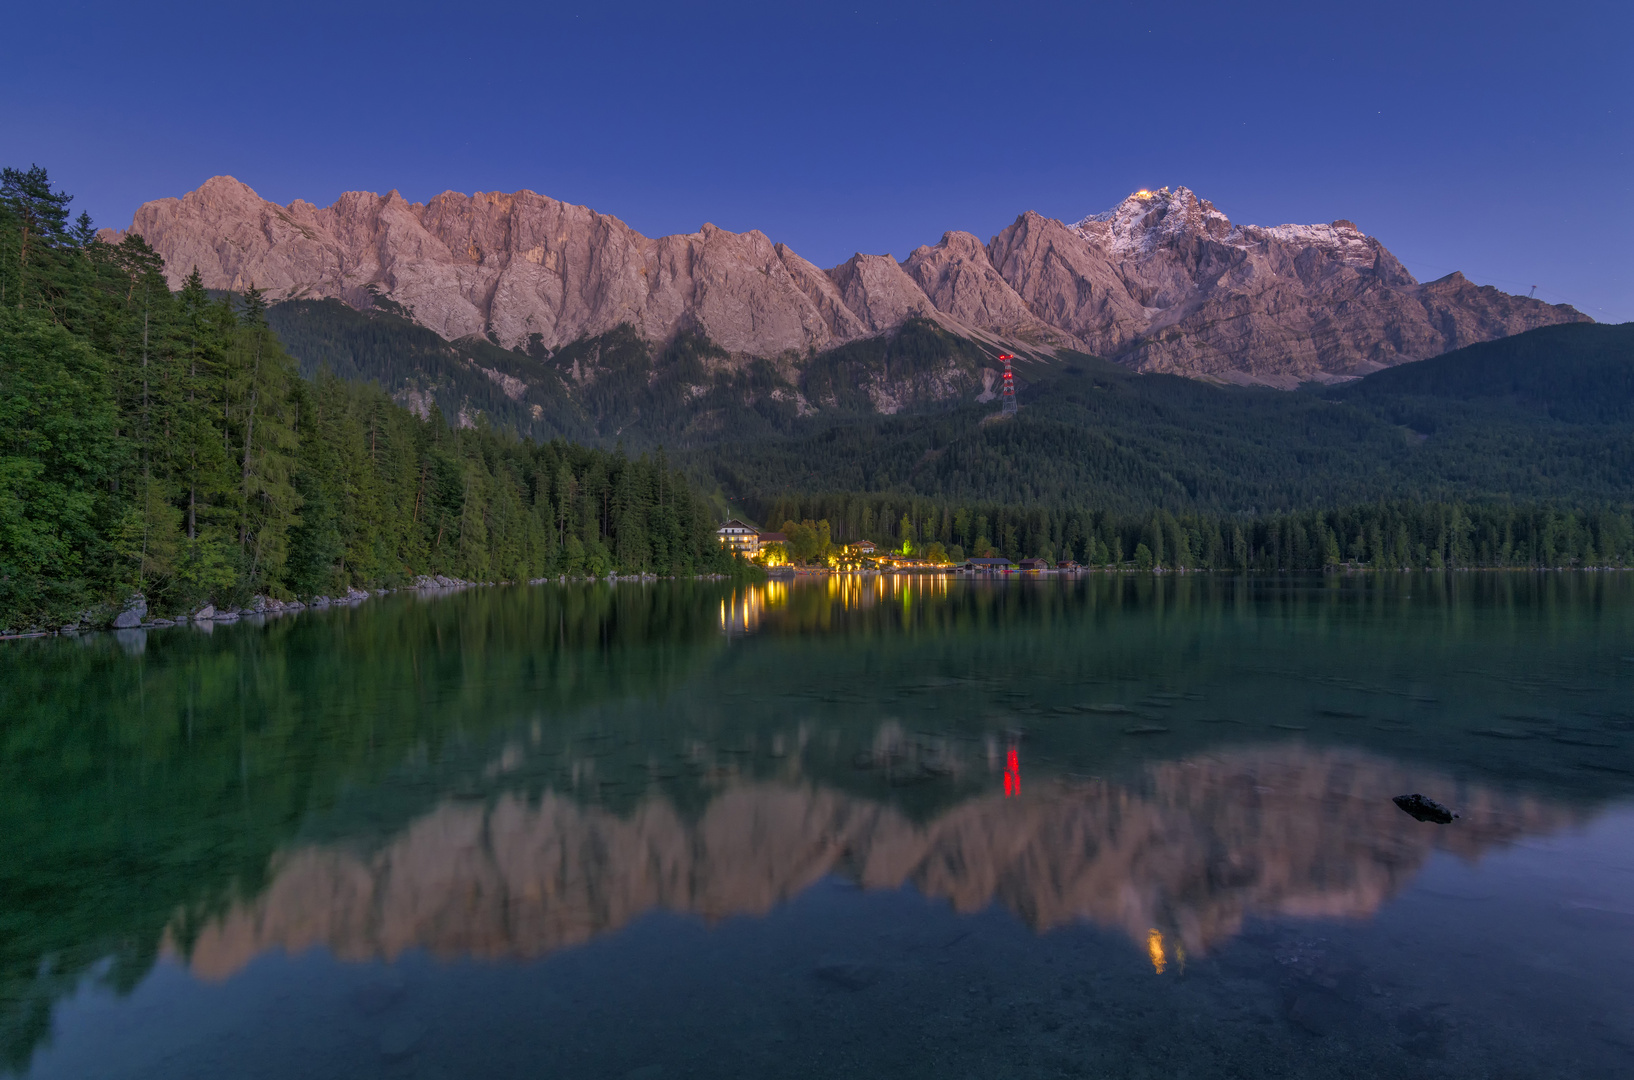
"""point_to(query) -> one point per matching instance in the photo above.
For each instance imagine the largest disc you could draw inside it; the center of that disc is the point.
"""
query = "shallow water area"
(913, 826)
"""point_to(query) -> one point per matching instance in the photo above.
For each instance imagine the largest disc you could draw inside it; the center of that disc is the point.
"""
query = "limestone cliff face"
(1193, 849)
(960, 280)
(514, 265)
(1164, 281)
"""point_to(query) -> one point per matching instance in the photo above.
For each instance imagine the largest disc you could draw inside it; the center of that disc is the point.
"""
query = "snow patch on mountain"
(1147, 220)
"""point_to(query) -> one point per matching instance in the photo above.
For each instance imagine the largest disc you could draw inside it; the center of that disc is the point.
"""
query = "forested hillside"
(1551, 421)
(1517, 452)
(1581, 374)
(471, 378)
(616, 385)
(166, 444)
(1546, 416)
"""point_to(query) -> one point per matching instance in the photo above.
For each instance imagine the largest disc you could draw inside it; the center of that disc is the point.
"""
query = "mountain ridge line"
(1163, 282)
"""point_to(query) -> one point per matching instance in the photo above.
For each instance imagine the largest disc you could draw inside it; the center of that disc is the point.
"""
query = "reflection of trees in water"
(131, 787)
(135, 787)
(1194, 847)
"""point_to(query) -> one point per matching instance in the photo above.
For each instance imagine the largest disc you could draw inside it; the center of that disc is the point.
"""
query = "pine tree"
(260, 386)
(37, 219)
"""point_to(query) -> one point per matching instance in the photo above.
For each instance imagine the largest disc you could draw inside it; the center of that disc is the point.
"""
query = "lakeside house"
(1034, 566)
(988, 566)
(861, 547)
(774, 548)
(735, 536)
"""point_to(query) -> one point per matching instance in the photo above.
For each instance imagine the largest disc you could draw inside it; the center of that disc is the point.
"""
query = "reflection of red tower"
(1009, 392)
(1012, 774)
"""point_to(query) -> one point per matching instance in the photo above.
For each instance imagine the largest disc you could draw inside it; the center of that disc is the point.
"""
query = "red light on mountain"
(1008, 392)
(1012, 774)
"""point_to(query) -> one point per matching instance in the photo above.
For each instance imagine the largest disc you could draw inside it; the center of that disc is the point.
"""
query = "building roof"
(863, 544)
(734, 526)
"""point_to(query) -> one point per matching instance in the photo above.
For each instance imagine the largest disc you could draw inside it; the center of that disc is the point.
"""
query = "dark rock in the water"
(1424, 809)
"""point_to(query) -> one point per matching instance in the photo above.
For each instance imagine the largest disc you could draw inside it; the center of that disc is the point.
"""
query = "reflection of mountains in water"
(1194, 848)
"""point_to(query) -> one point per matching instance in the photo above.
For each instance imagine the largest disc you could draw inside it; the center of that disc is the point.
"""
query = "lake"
(1118, 826)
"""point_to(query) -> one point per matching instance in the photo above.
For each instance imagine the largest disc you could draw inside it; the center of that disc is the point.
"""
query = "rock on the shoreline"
(136, 609)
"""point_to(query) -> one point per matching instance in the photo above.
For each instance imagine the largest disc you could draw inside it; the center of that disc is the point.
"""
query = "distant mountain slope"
(465, 379)
(1092, 434)
(618, 385)
(1577, 374)
(1162, 282)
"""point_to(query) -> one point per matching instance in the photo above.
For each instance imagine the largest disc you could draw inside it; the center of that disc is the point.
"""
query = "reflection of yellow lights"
(743, 613)
(1154, 949)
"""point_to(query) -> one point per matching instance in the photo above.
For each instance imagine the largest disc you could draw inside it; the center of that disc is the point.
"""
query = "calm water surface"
(858, 827)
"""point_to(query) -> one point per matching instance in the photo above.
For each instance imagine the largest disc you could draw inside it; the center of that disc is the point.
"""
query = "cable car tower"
(1008, 394)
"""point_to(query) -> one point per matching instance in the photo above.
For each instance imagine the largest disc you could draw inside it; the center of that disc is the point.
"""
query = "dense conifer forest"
(1381, 535)
(165, 443)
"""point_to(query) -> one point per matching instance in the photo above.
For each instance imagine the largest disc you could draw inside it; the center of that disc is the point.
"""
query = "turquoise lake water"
(895, 827)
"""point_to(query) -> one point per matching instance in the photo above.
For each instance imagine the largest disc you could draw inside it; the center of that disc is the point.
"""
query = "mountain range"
(1163, 282)
(768, 377)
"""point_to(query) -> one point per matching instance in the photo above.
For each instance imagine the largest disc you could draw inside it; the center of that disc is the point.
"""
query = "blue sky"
(1494, 138)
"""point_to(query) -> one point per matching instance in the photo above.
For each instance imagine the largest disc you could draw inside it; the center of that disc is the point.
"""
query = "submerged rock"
(1424, 809)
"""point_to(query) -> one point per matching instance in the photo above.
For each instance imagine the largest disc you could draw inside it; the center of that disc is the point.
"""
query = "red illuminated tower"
(1009, 392)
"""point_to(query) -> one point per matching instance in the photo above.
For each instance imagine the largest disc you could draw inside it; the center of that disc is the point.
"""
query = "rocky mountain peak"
(1149, 219)
(1164, 281)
